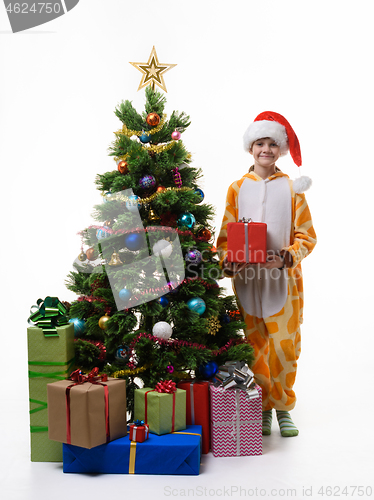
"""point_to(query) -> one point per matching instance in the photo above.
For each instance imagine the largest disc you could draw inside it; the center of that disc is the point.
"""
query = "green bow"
(50, 313)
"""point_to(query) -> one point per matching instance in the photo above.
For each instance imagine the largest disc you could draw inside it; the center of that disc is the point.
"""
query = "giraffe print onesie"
(271, 300)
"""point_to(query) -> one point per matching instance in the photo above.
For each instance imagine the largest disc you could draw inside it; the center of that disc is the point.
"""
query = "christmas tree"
(150, 307)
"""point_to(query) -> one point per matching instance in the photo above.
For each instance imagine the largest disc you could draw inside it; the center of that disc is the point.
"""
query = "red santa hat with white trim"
(275, 126)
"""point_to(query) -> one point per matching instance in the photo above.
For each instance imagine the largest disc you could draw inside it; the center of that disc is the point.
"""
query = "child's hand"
(233, 267)
(273, 261)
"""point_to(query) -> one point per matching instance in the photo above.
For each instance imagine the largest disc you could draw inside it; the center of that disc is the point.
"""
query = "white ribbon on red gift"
(246, 222)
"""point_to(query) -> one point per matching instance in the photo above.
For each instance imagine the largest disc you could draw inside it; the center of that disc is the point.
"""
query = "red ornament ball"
(122, 167)
(153, 119)
(204, 234)
(160, 189)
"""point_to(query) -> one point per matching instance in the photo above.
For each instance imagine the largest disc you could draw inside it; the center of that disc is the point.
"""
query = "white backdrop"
(311, 62)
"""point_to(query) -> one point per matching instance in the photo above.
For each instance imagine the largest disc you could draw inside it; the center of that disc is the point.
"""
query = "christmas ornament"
(152, 216)
(108, 223)
(193, 256)
(176, 135)
(196, 304)
(115, 260)
(107, 196)
(173, 287)
(204, 234)
(170, 369)
(186, 219)
(103, 322)
(79, 326)
(147, 182)
(133, 203)
(124, 294)
(134, 241)
(144, 138)
(200, 193)
(91, 254)
(214, 325)
(163, 301)
(122, 354)
(226, 318)
(153, 119)
(162, 247)
(123, 167)
(177, 177)
(102, 233)
(160, 189)
(208, 370)
(153, 71)
(162, 330)
(82, 256)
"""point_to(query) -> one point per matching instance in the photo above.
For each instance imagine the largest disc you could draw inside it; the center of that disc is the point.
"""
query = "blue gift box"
(177, 453)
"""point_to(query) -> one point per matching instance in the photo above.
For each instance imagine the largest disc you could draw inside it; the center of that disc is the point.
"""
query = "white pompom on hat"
(275, 126)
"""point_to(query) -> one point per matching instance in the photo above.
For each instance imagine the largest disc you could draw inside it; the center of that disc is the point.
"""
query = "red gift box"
(139, 433)
(246, 241)
(197, 407)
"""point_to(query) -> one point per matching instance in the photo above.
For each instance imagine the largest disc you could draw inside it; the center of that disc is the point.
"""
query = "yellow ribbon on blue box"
(175, 453)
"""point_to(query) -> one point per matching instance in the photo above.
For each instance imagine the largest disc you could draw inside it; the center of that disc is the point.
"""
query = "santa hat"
(275, 126)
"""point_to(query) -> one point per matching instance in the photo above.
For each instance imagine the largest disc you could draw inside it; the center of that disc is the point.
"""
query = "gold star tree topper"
(153, 71)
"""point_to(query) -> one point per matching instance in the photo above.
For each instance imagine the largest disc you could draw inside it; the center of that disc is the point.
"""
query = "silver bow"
(237, 375)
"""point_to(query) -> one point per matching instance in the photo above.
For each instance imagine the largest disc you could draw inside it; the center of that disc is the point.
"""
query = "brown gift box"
(87, 412)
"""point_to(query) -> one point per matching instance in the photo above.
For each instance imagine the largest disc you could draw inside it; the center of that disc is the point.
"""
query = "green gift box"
(163, 412)
(50, 359)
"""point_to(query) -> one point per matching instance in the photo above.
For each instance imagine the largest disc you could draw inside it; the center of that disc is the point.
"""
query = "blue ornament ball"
(193, 257)
(122, 354)
(200, 193)
(134, 241)
(144, 138)
(107, 196)
(147, 182)
(163, 301)
(208, 370)
(186, 219)
(79, 326)
(196, 304)
(226, 318)
(124, 294)
(132, 204)
(102, 233)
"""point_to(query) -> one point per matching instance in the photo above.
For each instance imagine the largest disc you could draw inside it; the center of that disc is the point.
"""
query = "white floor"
(333, 450)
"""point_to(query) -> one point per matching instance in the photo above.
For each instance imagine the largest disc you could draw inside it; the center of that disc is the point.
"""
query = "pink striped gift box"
(236, 422)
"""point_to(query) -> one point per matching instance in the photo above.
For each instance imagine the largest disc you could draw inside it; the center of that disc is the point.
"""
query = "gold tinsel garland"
(148, 199)
(155, 148)
(129, 133)
(135, 371)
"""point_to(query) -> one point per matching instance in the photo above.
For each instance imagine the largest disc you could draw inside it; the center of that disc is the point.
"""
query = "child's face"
(265, 152)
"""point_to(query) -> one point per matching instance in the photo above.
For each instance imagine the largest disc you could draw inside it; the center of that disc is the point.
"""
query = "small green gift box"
(50, 358)
(164, 412)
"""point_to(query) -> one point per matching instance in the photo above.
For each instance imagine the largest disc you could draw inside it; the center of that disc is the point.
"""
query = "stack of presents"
(81, 419)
